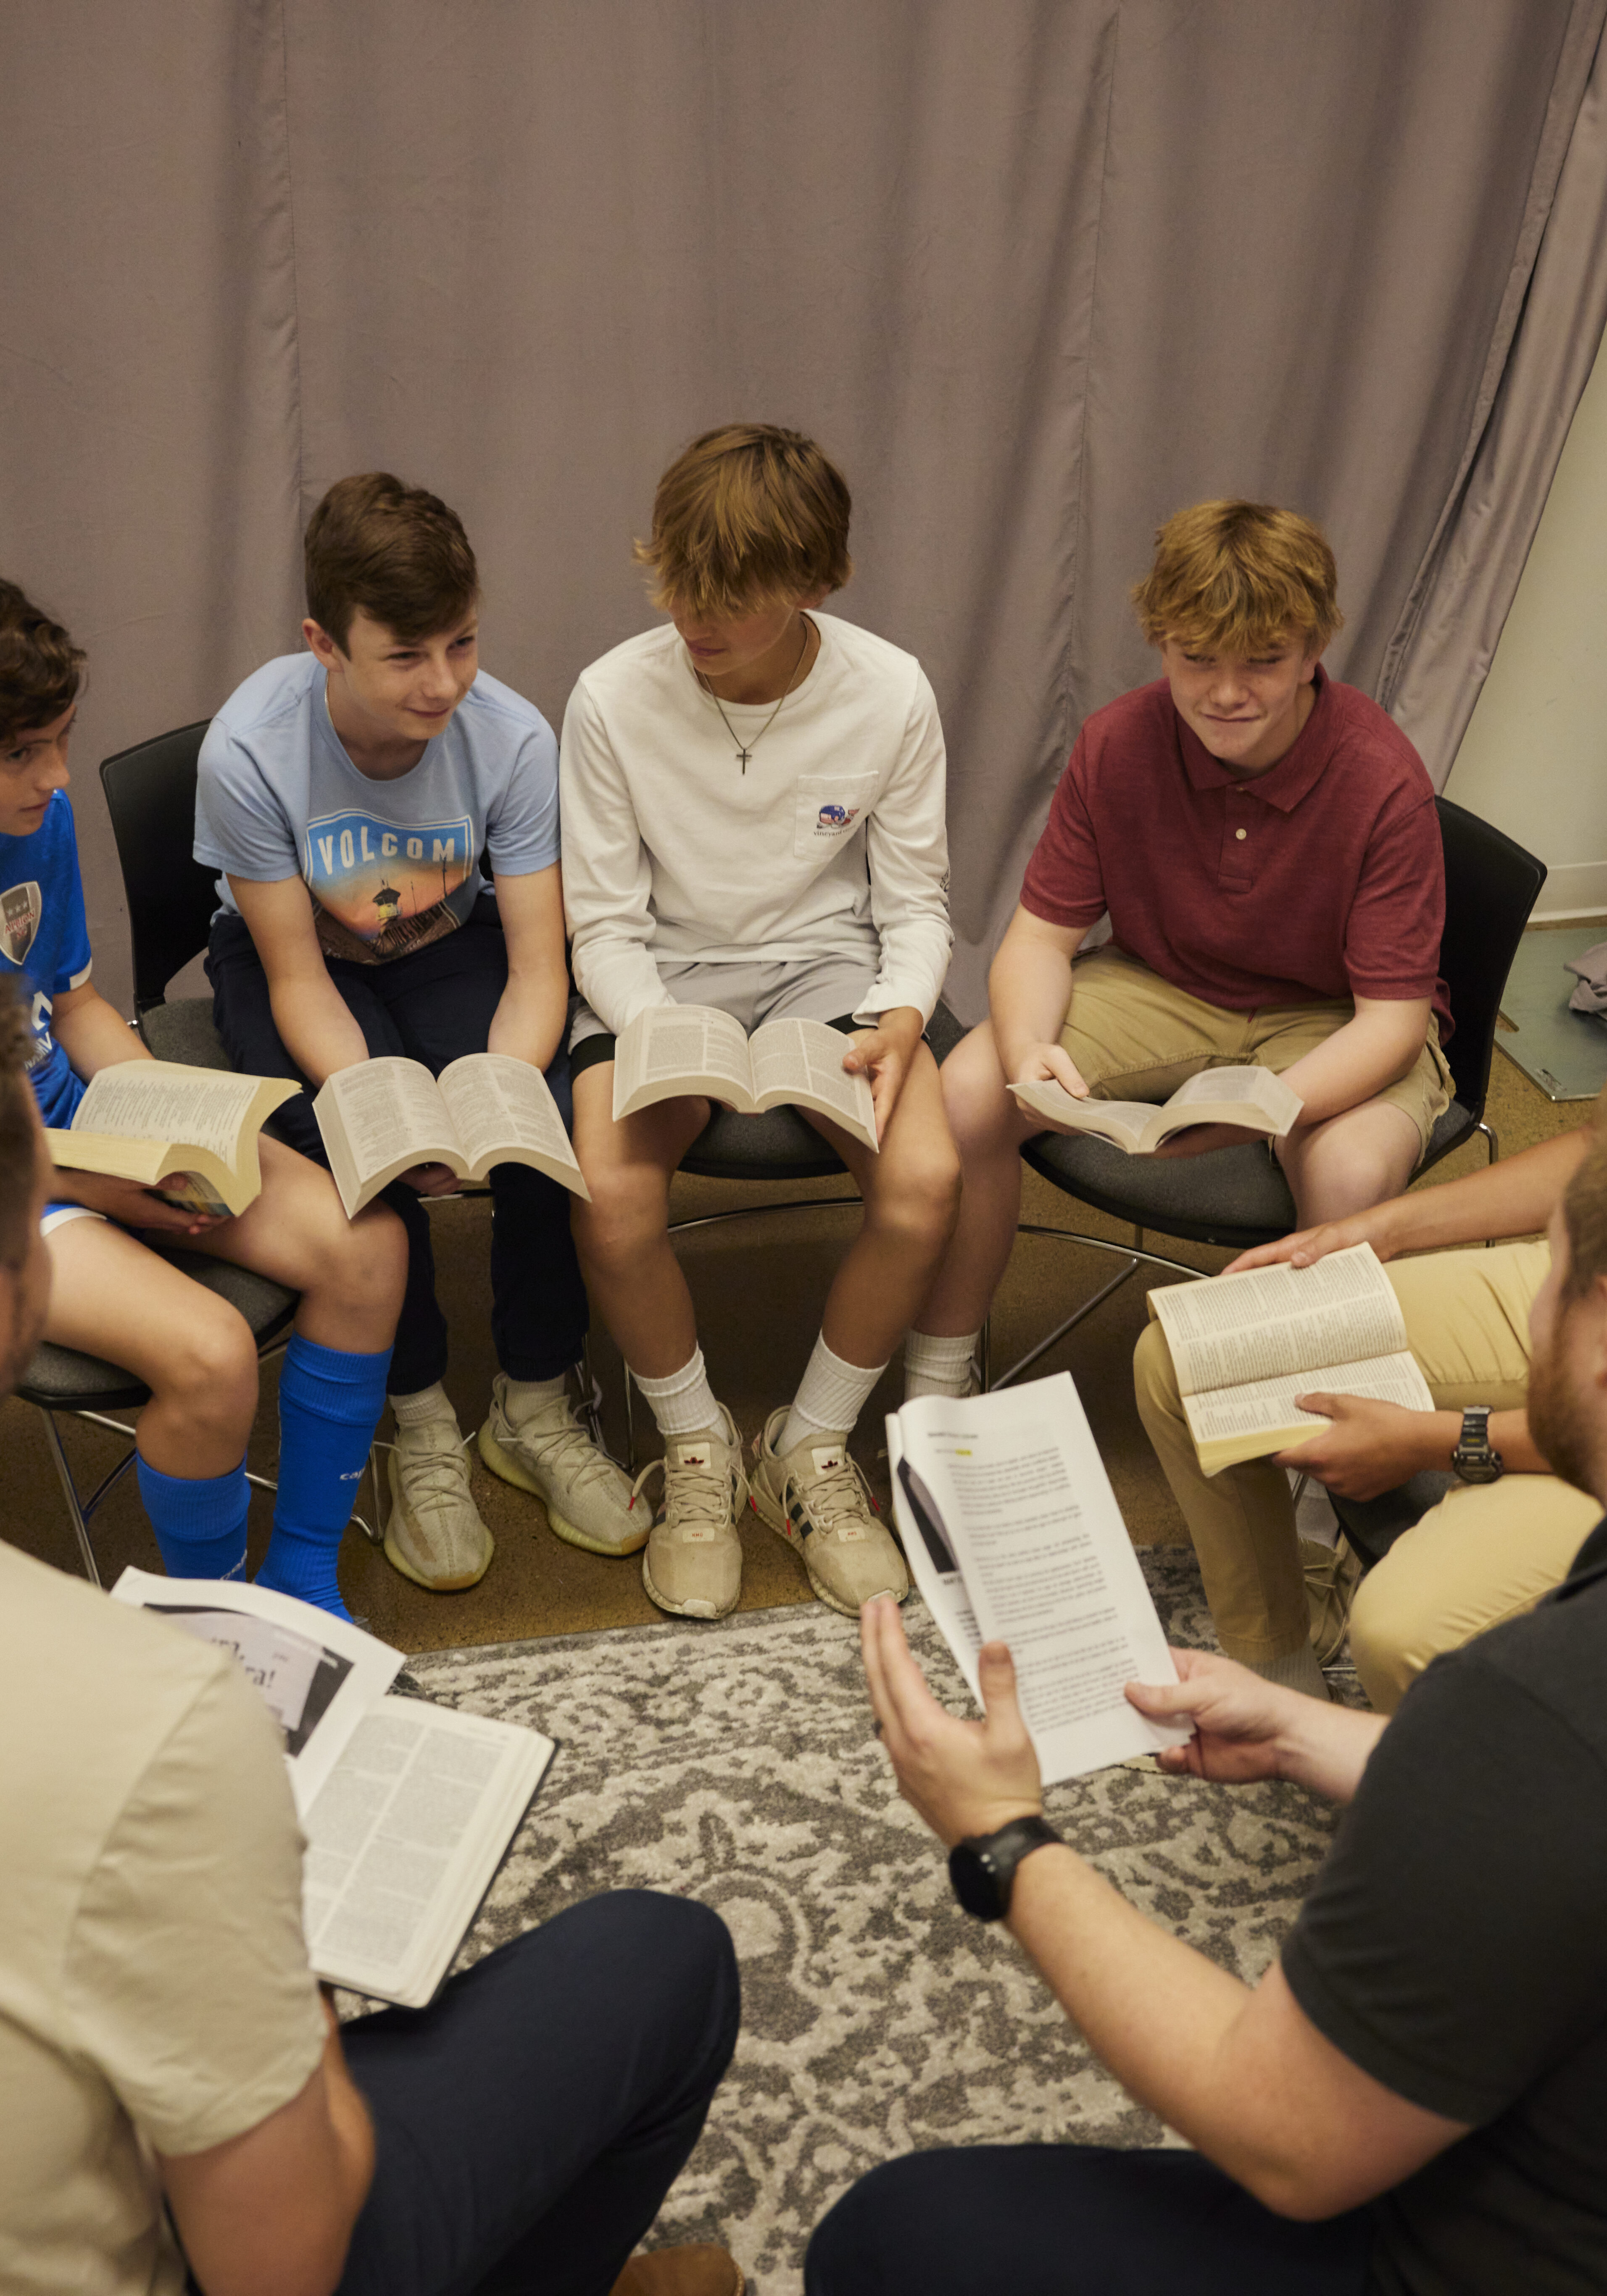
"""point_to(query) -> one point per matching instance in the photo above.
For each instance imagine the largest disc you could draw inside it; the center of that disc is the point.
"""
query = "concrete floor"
(758, 1286)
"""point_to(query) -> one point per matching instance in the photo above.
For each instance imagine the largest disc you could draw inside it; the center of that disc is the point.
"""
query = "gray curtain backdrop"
(1038, 272)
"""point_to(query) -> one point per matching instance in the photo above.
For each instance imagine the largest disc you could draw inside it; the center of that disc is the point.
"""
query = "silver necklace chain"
(745, 750)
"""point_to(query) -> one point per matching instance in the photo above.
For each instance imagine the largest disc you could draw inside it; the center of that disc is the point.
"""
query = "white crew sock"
(417, 1410)
(1298, 1671)
(831, 1398)
(522, 1397)
(936, 1367)
(684, 1404)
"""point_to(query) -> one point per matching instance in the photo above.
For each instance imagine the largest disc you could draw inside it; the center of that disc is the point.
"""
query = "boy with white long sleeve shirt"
(753, 810)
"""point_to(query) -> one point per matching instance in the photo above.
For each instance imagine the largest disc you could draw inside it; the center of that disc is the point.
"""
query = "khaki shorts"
(1134, 1036)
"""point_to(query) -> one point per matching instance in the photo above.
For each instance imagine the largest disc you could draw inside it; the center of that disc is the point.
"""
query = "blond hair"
(747, 515)
(1236, 578)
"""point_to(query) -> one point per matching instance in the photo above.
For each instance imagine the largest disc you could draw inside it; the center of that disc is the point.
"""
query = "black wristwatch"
(1473, 1458)
(982, 1867)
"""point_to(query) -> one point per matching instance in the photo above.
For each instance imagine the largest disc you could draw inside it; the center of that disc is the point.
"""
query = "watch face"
(976, 1883)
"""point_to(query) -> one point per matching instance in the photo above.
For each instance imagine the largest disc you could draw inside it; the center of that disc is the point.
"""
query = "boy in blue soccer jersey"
(345, 795)
(111, 1295)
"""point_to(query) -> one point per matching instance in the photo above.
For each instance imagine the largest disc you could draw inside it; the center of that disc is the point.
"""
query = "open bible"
(1253, 1097)
(1245, 1346)
(1012, 1532)
(382, 1117)
(671, 1050)
(407, 1807)
(149, 1121)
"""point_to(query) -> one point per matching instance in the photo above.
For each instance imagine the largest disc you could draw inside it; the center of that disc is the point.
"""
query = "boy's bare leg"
(989, 1129)
(1360, 1158)
(352, 1274)
(112, 1297)
(622, 1235)
(912, 1198)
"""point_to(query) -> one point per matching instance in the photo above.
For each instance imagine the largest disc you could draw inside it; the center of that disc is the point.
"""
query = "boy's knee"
(975, 1099)
(628, 1208)
(211, 1365)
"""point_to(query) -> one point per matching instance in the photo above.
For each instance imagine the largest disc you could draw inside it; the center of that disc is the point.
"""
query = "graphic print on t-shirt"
(382, 889)
(20, 910)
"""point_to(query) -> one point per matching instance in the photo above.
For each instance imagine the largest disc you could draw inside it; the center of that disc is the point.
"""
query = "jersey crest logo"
(838, 817)
(20, 910)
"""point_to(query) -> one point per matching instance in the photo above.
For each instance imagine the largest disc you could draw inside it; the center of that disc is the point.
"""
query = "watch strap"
(981, 1868)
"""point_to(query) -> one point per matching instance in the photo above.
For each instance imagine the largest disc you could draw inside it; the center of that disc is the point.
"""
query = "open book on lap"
(1244, 1346)
(408, 1807)
(671, 1051)
(1014, 1533)
(380, 1118)
(151, 1120)
(1252, 1098)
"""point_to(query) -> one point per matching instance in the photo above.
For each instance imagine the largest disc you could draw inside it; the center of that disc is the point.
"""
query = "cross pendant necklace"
(745, 750)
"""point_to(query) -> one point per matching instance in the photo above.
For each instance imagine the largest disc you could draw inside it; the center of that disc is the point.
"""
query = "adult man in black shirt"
(1412, 2100)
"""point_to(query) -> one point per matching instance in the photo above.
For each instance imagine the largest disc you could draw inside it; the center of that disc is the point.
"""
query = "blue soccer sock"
(199, 1520)
(329, 1406)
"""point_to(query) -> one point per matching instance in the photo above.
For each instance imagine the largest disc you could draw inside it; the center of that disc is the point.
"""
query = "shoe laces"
(837, 1499)
(694, 1497)
(438, 1477)
(564, 1442)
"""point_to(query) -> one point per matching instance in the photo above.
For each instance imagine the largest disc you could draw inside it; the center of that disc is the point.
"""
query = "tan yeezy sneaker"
(434, 1535)
(694, 1562)
(1333, 1574)
(816, 1497)
(586, 1496)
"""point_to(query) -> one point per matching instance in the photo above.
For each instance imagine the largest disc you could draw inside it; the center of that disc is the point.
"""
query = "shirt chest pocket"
(828, 809)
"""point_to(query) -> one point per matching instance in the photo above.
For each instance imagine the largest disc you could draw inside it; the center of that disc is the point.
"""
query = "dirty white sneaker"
(816, 1497)
(694, 1562)
(434, 1535)
(586, 1496)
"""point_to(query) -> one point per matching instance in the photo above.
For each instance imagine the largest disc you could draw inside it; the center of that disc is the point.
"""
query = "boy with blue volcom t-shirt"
(111, 1294)
(347, 796)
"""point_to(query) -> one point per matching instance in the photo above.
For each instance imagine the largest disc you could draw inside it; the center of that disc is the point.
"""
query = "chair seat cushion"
(1235, 1197)
(183, 1031)
(60, 1378)
(778, 1145)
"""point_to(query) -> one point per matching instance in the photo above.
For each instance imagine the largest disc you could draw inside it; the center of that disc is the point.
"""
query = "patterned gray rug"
(735, 1762)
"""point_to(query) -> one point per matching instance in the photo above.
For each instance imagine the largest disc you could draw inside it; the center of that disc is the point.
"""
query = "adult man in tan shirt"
(162, 2037)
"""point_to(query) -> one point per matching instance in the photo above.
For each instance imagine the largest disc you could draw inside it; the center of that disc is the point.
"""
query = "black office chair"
(150, 796)
(778, 1145)
(1238, 1197)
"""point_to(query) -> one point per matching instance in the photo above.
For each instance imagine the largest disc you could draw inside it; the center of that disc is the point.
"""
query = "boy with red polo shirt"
(1265, 844)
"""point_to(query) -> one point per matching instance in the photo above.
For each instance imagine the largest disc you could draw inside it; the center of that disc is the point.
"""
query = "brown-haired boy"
(753, 819)
(346, 795)
(1265, 844)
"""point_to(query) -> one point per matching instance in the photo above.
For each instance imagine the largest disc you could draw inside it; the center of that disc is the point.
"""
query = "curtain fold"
(1038, 272)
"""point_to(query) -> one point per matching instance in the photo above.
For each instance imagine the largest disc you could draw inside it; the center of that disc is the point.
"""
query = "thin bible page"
(806, 1057)
(390, 1105)
(136, 1100)
(1268, 1406)
(496, 1102)
(1274, 1320)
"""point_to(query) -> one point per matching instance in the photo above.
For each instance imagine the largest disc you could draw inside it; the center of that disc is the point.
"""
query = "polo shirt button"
(1241, 832)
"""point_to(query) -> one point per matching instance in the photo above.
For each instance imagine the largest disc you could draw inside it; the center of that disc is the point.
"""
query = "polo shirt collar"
(1295, 774)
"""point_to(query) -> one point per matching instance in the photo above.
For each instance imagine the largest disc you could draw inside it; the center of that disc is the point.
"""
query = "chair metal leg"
(70, 1493)
(985, 1354)
(1134, 1254)
(1489, 1135)
(630, 1425)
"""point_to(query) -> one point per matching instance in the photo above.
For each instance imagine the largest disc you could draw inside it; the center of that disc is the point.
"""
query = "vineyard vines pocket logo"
(834, 818)
(20, 910)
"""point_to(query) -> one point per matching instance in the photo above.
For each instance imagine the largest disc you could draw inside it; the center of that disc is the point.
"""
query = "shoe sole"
(503, 1465)
(770, 1515)
(398, 1562)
